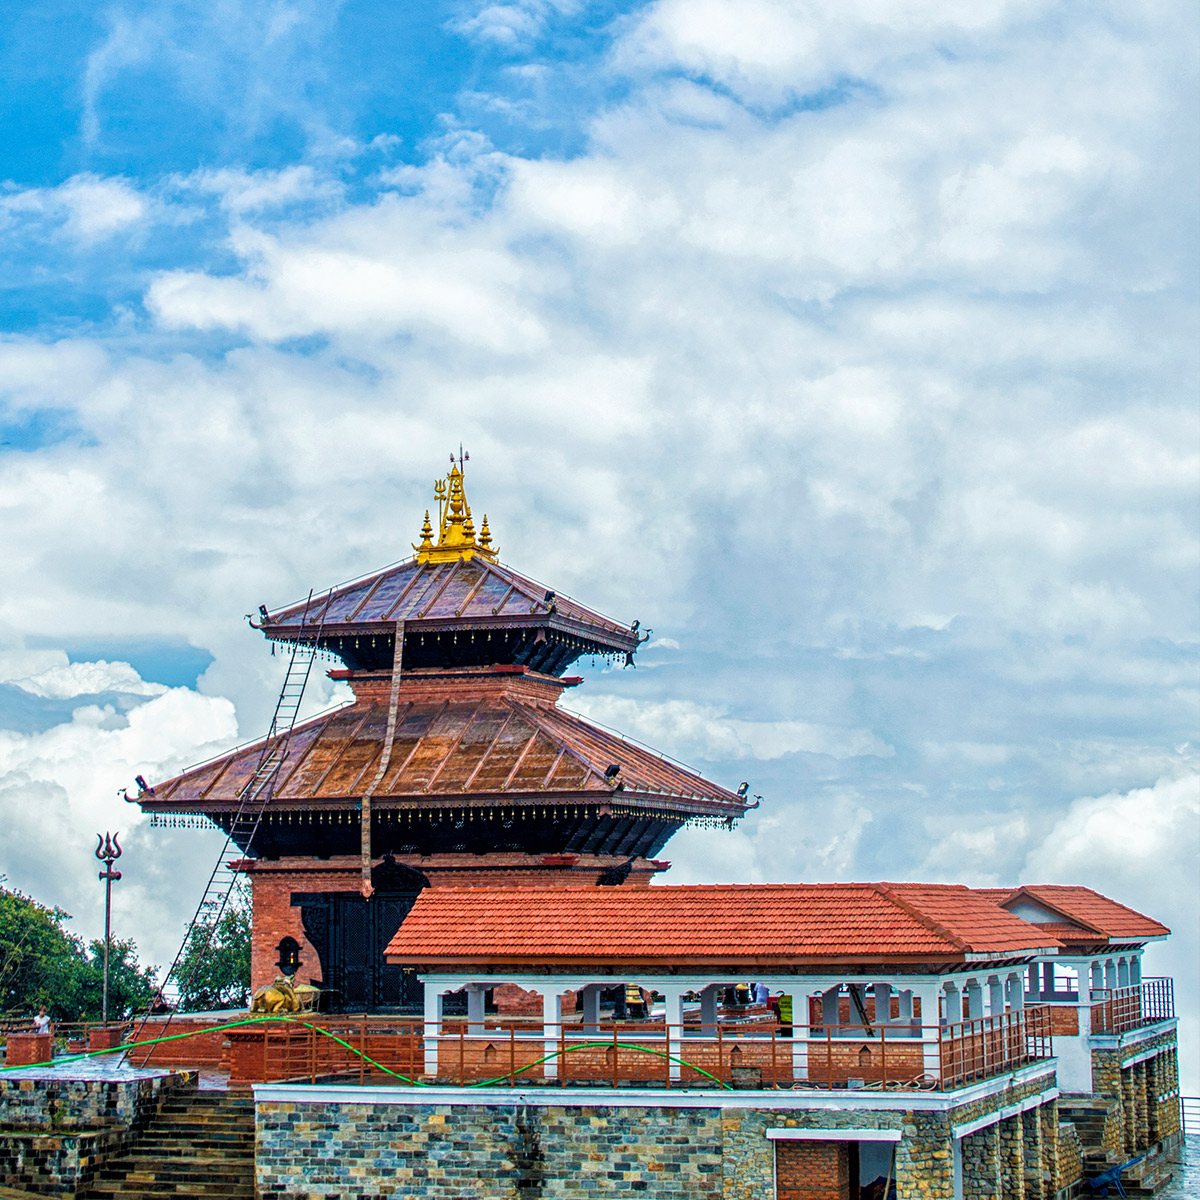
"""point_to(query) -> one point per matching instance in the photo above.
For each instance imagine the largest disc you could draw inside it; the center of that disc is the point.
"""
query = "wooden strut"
(384, 759)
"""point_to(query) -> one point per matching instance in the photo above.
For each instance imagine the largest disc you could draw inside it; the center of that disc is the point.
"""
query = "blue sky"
(851, 348)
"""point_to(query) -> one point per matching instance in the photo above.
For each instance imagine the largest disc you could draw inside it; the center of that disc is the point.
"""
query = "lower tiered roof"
(468, 745)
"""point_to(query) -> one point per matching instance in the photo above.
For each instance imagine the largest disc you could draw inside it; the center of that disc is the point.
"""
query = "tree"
(217, 975)
(41, 963)
(130, 985)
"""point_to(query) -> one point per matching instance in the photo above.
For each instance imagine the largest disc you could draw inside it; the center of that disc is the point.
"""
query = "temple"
(460, 866)
(455, 757)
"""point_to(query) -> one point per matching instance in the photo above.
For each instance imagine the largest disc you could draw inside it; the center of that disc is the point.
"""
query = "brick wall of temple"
(273, 918)
(272, 885)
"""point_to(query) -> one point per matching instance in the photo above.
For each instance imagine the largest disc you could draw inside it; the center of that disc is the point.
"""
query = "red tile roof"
(1089, 909)
(762, 925)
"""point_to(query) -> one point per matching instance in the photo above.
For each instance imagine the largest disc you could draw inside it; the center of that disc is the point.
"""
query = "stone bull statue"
(285, 996)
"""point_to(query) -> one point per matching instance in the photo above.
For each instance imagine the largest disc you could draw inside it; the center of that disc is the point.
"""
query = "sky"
(851, 348)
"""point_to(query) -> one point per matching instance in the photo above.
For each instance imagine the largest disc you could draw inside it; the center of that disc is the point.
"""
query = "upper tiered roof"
(456, 606)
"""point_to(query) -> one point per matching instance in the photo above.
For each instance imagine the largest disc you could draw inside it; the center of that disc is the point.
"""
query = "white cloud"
(1141, 848)
(89, 208)
(59, 787)
(769, 49)
(87, 678)
(511, 25)
(691, 730)
(242, 191)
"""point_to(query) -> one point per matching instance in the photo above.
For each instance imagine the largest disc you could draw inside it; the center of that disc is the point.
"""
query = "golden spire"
(456, 529)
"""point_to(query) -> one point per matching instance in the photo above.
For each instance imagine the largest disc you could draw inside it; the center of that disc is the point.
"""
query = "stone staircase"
(197, 1145)
(1089, 1115)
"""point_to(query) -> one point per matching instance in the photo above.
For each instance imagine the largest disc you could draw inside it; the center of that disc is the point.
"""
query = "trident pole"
(107, 851)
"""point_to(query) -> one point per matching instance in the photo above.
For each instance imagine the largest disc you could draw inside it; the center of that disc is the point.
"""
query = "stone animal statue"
(307, 996)
(277, 997)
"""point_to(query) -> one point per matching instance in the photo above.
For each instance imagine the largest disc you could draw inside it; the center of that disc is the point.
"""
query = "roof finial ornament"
(457, 538)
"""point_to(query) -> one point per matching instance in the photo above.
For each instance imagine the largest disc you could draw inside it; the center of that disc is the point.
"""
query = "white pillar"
(883, 1003)
(800, 1031)
(1122, 972)
(975, 996)
(551, 1028)
(1047, 980)
(433, 1027)
(954, 1012)
(1110, 975)
(1135, 970)
(475, 1018)
(995, 996)
(1031, 982)
(831, 1006)
(708, 1010)
(590, 998)
(1097, 976)
(904, 1000)
(1016, 990)
(930, 1028)
(674, 1023)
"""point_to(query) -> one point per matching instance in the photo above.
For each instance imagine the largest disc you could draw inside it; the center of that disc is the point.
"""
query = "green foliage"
(217, 975)
(39, 960)
(130, 985)
(41, 963)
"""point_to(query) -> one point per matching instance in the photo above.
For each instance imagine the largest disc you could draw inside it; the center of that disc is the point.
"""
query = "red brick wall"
(274, 918)
(812, 1170)
(1064, 1020)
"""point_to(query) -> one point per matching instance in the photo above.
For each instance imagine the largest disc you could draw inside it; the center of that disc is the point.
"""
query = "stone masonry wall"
(488, 1152)
(563, 1152)
(1147, 1093)
(56, 1133)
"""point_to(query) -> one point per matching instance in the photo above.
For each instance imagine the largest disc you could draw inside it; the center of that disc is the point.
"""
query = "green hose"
(174, 1037)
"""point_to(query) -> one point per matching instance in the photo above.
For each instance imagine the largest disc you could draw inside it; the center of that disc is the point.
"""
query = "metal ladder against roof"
(253, 798)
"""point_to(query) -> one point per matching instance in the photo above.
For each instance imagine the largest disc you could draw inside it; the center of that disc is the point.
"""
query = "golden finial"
(426, 535)
(456, 529)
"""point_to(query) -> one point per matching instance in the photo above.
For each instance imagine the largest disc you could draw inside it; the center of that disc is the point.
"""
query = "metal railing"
(505, 1051)
(1128, 1008)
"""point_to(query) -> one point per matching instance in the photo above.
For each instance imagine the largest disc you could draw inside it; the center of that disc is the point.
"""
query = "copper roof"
(470, 593)
(469, 737)
(766, 925)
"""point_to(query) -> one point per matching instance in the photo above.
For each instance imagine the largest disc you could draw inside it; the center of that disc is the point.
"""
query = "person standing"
(42, 1023)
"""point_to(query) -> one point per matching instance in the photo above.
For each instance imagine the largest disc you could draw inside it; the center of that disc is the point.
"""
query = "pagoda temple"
(453, 765)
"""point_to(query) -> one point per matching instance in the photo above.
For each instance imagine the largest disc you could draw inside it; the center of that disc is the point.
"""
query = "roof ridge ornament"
(457, 538)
